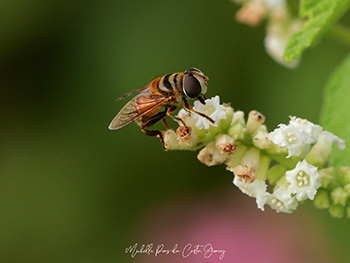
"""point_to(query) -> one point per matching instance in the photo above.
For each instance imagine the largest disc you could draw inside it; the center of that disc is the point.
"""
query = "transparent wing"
(140, 105)
(133, 92)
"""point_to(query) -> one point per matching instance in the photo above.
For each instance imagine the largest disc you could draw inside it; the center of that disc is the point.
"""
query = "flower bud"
(238, 116)
(321, 200)
(225, 123)
(320, 152)
(255, 119)
(264, 163)
(344, 174)
(237, 130)
(318, 155)
(236, 158)
(327, 176)
(336, 211)
(275, 173)
(260, 139)
(251, 158)
(347, 188)
(339, 196)
(282, 182)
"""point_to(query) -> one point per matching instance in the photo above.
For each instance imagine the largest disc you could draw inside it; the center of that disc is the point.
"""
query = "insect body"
(160, 98)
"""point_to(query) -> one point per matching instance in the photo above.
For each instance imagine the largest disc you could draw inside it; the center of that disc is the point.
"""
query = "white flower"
(291, 138)
(213, 109)
(278, 34)
(273, 4)
(212, 155)
(282, 200)
(277, 38)
(186, 116)
(255, 189)
(304, 180)
(327, 138)
(261, 200)
(303, 125)
(226, 144)
(183, 113)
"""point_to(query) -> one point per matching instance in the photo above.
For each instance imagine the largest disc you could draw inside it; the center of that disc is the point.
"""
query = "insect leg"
(154, 133)
(166, 124)
(188, 107)
(153, 120)
(156, 118)
(201, 99)
(171, 110)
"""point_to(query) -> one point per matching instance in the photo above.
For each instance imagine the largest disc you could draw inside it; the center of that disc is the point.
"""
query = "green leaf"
(321, 15)
(335, 113)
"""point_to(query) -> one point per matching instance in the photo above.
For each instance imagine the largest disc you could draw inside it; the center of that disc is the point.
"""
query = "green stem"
(340, 33)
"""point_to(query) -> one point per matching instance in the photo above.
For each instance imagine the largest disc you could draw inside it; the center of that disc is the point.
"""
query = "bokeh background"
(73, 191)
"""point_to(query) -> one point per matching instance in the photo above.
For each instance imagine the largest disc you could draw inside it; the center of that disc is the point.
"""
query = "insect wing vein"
(136, 108)
(133, 92)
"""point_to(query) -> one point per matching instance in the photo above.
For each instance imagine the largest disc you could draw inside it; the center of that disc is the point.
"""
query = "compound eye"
(192, 88)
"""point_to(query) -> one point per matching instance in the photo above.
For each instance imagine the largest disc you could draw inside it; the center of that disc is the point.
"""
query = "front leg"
(189, 108)
(175, 118)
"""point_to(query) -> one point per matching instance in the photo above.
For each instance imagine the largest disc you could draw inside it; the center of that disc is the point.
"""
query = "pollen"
(301, 121)
(277, 203)
(291, 138)
(302, 179)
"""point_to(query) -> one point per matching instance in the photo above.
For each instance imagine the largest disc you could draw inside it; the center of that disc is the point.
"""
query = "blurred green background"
(73, 191)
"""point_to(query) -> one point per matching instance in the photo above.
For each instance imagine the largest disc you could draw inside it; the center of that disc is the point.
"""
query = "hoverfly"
(160, 98)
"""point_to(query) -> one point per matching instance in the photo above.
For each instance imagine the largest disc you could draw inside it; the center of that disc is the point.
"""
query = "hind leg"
(153, 120)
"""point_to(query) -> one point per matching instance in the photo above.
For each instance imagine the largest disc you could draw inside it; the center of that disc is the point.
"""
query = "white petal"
(253, 189)
(282, 201)
(302, 191)
(213, 109)
(302, 125)
(327, 138)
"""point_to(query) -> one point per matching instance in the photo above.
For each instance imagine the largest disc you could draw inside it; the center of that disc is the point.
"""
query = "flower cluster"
(280, 26)
(298, 150)
(299, 134)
